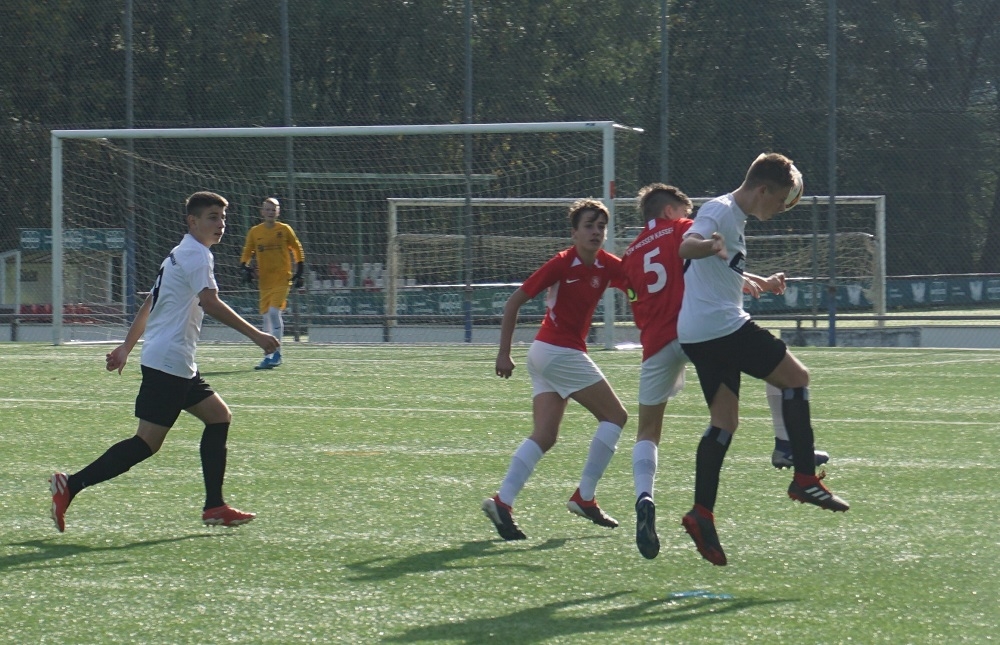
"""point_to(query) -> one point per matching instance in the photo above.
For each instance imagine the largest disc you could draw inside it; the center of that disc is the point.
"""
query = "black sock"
(711, 453)
(213, 462)
(795, 408)
(118, 459)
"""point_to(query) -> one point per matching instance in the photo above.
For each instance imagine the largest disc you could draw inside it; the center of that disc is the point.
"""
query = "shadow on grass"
(388, 567)
(226, 372)
(46, 551)
(537, 624)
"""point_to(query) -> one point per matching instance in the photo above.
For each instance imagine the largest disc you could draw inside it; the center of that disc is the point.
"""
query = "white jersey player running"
(171, 317)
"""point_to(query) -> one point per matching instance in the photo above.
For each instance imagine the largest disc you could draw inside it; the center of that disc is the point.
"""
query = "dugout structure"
(332, 182)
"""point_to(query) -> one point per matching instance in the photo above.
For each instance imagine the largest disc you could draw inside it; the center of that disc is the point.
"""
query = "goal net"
(513, 237)
(117, 202)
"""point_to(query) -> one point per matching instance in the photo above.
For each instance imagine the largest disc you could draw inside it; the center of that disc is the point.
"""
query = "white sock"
(602, 449)
(777, 416)
(522, 464)
(275, 324)
(644, 456)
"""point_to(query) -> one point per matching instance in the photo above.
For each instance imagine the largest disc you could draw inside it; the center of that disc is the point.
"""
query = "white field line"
(12, 403)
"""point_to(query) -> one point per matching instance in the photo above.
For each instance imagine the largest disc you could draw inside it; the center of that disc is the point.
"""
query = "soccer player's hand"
(266, 342)
(298, 282)
(775, 283)
(751, 288)
(116, 359)
(247, 274)
(504, 366)
(719, 246)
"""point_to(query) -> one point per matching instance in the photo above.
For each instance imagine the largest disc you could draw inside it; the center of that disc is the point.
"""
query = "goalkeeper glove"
(297, 281)
(247, 274)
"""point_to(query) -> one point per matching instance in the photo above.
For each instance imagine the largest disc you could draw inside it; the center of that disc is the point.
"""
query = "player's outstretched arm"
(751, 286)
(116, 358)
(696, 247)
(216, 308)
(774, 283)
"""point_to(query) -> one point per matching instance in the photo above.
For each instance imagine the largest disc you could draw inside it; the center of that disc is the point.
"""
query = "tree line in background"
(918, 107)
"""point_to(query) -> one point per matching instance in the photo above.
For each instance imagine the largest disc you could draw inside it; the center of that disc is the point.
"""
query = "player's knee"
(726, 420)
(545, 442)
(619, 417)
(800, 378)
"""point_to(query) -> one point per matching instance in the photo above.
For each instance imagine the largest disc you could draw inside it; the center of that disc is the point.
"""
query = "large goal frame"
(606, 128)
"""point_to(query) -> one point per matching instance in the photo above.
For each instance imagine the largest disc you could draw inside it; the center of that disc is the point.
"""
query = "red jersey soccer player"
(654, 272)
(560, 368)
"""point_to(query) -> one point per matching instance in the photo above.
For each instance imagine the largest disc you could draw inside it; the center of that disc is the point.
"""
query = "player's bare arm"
(116, 358)
(696, 247)
(216, 308)
(504, 363)
(774, 283)
(751, 287)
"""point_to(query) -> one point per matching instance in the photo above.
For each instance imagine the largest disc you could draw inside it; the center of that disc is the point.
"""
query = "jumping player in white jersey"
(723, 342)
(560, 368)
(185, 289)
(654, 272)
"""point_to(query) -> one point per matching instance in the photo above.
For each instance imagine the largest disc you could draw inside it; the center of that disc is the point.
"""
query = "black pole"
(664, 94)
(290, 205)
(832, 168)
(130, 232)
(468, 224)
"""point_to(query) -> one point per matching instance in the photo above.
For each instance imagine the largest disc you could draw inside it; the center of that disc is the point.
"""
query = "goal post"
(332, 183)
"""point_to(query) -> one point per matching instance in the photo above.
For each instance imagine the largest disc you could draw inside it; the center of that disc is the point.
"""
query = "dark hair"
(202, 200)
(773, 169)
(654, 197)
(580, 206)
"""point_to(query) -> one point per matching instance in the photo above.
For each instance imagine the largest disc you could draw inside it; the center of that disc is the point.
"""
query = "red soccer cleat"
(226, 515)
(59, 485)
(700, 525)
(590, 510)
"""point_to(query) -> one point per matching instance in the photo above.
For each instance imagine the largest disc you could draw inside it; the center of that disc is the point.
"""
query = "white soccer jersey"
(713, 287)
(174, 323)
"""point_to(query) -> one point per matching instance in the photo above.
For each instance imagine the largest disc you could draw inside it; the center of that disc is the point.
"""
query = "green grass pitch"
(367, 466)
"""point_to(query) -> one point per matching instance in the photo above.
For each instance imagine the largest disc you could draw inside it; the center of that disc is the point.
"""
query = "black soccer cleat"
(702, 531)
(782, 455)
(814, 492)
(499, 514)
(590, 510)
(645, 528)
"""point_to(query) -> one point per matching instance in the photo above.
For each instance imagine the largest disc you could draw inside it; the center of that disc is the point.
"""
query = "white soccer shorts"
(661, 376)
(560, 369)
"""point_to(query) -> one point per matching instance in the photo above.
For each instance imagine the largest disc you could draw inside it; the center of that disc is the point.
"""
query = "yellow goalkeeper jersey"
(274, 248)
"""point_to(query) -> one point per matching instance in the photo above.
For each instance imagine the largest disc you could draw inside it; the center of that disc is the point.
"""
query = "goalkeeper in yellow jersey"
(275, 245)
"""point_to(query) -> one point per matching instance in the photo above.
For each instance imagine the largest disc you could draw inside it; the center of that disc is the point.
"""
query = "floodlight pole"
(292, 216)
(131, 268)
(832, 169)
(469, 222)
(664, 95)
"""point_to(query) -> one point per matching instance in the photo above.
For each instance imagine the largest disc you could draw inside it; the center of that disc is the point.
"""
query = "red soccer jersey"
(574, 291)
(655, 275)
